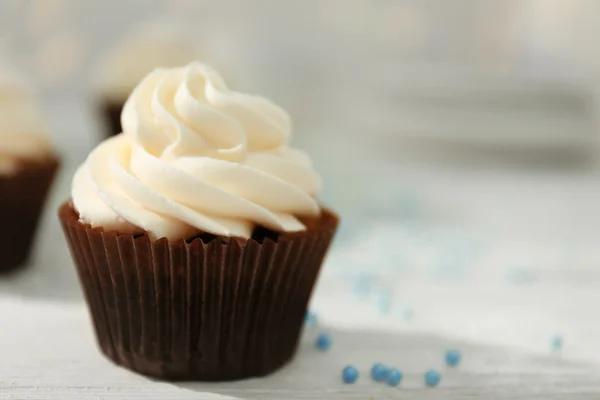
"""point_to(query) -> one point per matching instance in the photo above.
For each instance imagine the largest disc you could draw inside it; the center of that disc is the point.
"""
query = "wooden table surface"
(492, 264)
(54, 358)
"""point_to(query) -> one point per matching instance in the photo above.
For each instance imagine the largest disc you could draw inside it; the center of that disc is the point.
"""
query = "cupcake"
(148, 47)
(27, 168)
(196, 233)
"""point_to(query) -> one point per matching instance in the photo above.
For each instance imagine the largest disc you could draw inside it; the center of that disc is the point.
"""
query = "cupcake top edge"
(196, 156)
(148, 47)
(23, 129)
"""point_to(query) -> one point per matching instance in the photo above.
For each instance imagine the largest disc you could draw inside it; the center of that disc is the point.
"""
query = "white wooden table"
(59, 361)
(493, 266)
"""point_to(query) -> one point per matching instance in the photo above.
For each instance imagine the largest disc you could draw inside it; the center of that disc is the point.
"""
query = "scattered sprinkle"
(556, 342)
(349, 374)
(379, 372)
(407, 313)
(432, 378)
(323, 342)
(521, 276)
(453, 358)
(310, 318)
(363, 285)
(385, 302)
(394, 377)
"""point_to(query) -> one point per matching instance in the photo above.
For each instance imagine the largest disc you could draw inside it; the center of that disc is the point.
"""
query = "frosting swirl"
(194, 157)
(22, 128)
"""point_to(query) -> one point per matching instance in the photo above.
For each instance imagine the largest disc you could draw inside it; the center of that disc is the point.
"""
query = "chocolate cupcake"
(147, 47)
(27, 168)
(196, 233)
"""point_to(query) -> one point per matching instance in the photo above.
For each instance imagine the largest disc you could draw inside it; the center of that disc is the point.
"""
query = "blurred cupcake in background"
(28, 164)
(147, 47)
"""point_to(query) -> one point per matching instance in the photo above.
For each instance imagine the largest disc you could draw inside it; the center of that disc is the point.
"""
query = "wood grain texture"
(54, 357)
(503, 327)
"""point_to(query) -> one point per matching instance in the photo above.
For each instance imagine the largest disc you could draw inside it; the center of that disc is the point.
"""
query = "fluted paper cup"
(22, 198)
(210, 308)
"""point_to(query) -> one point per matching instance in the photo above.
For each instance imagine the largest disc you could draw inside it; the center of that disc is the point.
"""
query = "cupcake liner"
(111, 113)
(210, 308)
(22, 198)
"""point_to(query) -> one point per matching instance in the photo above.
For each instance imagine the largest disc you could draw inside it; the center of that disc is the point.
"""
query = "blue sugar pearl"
(453, 358)
(394, 377)
(556, 342)
(379, 372)
(310, 319)
(323, 342)
(385, 304)
(349, 374)
(407, 313)
(432, 378)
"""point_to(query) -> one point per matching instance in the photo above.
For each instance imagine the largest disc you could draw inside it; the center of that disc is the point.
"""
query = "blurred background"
(458, 139)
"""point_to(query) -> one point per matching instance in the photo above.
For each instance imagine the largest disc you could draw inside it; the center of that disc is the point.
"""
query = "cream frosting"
(148, 47)
(23, 131)
(195, 157)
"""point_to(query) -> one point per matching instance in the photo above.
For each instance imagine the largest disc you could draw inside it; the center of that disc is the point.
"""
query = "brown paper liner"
(210, 308)
(22, 198)
(111, 113)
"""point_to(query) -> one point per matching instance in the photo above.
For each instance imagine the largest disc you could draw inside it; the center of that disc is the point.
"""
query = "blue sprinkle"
(363, 285)
(556, 342)
(394, 377)
(385, 302)
(349, 374)
(407, 313)
(432, 378)
(379, 372)
(323, 342)
(521, 276)
(310, 318)
(453, 358)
